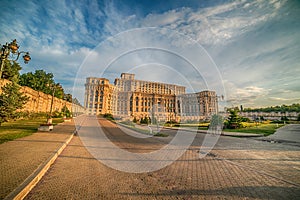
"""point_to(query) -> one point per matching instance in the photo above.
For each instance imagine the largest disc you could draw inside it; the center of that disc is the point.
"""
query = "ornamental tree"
(11, 99)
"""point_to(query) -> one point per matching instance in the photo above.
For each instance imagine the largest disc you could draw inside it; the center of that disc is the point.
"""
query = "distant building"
(197, 106)
(129, 98)
(270, 115)
(98, 96)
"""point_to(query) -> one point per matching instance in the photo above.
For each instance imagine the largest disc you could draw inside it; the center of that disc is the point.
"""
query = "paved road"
(237, 168)
(289, 133)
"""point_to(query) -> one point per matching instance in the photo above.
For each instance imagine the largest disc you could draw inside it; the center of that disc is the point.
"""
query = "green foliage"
(11, 70)
(245, 119)
(261, 118)
(134, 120)
(144, 120)
(21, 128)
(284, 118)
(42, 81)
(109, 116)
(38, 81)
(68, 97)
(11, 99)
(171, 123)
(265, 129)
(282, 108)
(66, 112)
(298, 118)
(234, 120)
(56, 114)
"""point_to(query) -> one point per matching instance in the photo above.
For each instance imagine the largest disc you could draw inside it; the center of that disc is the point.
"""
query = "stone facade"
(197, 106)
(41, 102)
(129, 98)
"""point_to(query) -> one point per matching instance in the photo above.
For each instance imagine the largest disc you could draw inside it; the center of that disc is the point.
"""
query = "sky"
(247, 51)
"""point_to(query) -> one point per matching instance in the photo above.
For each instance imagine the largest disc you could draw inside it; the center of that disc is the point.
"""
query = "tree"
(11, 70)
(58, 91)
(68, 97)
(39, 80)
(298, 118)
(66, 112)
(282, 108)
(284, 118)
(11, 99)
(42, 81)
(234, 120)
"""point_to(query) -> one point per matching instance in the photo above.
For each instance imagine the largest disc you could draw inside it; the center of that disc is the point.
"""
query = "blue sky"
(250, 49)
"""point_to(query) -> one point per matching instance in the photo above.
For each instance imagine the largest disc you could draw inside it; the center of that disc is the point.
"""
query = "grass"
(21, 128)
(199, 126)
(143, 131)
(266, 129)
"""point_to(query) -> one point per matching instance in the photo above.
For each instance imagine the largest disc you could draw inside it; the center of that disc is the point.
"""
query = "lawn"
(143, 131)
(266, 129)
(263, 128)
(21, 128)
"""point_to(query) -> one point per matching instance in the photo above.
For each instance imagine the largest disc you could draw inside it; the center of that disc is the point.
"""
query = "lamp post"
(12, 49)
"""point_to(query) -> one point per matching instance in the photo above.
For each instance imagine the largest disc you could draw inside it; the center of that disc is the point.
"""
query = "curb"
(22, 190)
(243, 135)
(175, 128)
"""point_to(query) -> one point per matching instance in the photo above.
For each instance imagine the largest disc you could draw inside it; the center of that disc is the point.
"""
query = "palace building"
(129, 98)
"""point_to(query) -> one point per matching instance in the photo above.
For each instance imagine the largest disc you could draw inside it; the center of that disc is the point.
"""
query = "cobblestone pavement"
(224, 174)
(21, 157)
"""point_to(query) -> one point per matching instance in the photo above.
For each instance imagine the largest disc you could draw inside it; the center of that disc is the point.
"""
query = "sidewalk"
(22, 159)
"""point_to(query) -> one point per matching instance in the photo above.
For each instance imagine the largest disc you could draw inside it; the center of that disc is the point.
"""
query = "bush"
(56, 114)
(144, 120)
(284, 118)
(66, 112)
(108, 116)
(247, 125)
(134, 120)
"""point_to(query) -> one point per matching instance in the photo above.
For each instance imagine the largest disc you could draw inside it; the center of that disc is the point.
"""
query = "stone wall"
(41, 102)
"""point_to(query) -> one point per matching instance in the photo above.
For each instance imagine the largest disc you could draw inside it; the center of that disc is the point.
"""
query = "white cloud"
(243, 95)
(217, 24)
(60, 39)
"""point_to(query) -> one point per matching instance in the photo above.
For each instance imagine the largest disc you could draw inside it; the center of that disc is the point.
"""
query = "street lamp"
(12, 48)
